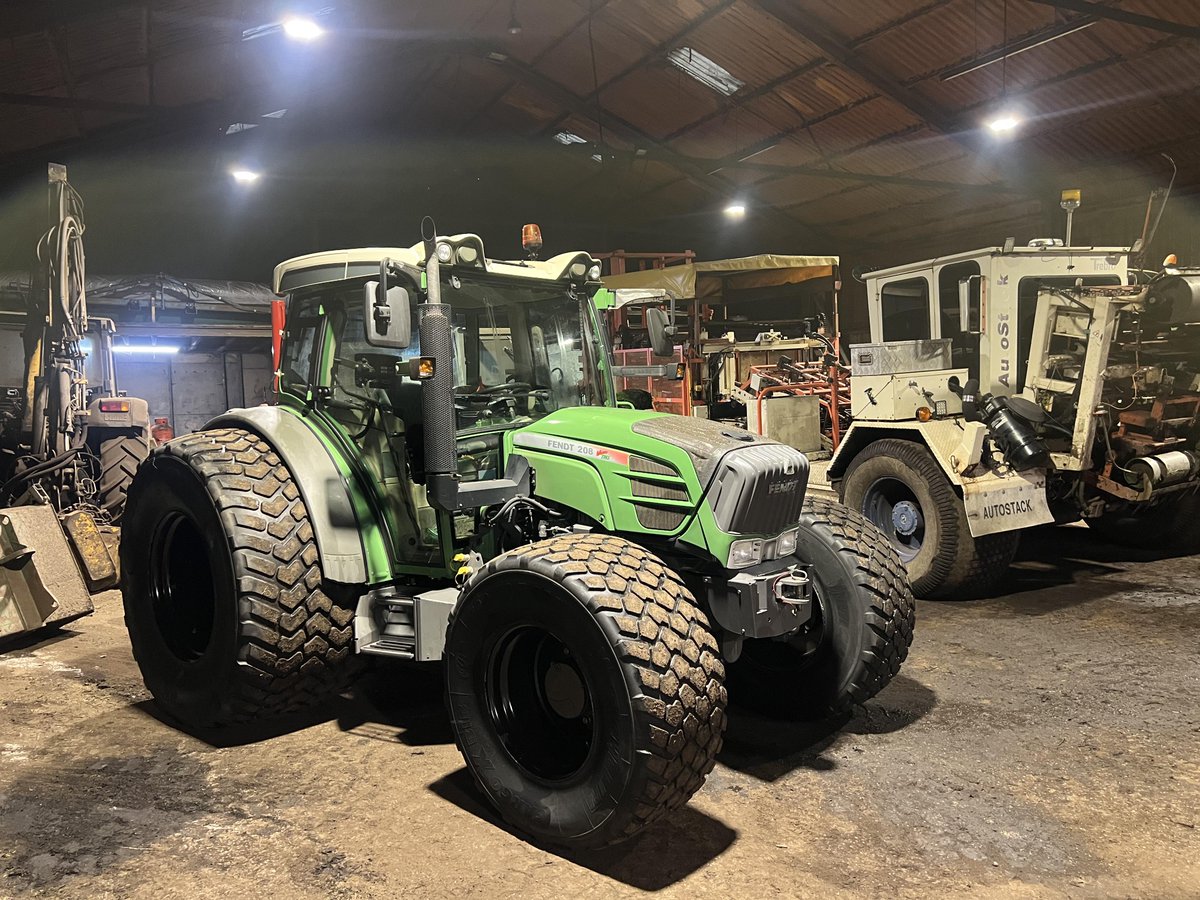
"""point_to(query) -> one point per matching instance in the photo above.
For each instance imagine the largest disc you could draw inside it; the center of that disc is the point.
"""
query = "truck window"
(1027, 296)
(965, 347)
(905, 307)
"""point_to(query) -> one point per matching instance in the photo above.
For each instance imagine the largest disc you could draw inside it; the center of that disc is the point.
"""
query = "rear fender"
(323, 488)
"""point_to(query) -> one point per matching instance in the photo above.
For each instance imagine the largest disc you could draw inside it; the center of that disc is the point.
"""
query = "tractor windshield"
(522, 351)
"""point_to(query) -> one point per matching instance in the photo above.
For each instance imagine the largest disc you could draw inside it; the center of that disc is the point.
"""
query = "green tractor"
(447, 477)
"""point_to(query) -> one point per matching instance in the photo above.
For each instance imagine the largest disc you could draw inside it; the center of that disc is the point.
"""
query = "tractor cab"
(523, 340)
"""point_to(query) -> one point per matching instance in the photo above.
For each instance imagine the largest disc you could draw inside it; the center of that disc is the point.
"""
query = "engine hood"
(666, 467)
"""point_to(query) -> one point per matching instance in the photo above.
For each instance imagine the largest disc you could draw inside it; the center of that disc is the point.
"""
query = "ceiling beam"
(741, 98)
(866, 177)
(839, 51)
(1012, 48)
(1127, 18)
(783, 170)
(629, 133)
(78, 103)
(646, 58)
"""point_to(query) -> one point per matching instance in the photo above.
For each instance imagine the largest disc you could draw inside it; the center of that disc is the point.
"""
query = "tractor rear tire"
(225, 603)
(120, 457)
(585, 688)
(944, 561)
(1171, 526)
(862, 625)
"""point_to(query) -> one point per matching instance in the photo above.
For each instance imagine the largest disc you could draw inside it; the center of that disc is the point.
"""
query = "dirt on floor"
(1044, 743)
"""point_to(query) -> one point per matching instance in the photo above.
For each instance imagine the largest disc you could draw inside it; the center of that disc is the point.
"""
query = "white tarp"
(708, 279)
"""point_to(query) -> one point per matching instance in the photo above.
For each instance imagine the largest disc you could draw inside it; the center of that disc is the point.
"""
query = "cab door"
(902, 308)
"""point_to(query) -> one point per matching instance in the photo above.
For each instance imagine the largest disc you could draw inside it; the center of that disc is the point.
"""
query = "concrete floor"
(1040, 744)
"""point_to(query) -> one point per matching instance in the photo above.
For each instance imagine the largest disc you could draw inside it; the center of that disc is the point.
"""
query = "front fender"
(322, 487)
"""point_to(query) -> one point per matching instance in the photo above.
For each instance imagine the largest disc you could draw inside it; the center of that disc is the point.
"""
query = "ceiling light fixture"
(735, 210)
(148, 349)
(514, 27)
(244, 176)
(299, 28)
(709, 73)
(1004, 123)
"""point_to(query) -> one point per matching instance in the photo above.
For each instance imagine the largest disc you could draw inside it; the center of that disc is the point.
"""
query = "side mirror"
(965, 323)
(661, 330)
(386, 313)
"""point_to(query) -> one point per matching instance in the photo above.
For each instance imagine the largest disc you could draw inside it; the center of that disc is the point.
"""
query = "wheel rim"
(894, 509)
(540, 704)
(182, 588)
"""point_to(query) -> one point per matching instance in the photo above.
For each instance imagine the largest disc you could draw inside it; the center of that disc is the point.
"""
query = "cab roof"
(1039, 251)
(339, 265)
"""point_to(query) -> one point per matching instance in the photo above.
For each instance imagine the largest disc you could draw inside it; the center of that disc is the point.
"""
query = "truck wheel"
(902, 490)
(120, 457)
(1172, 525)
(222, 584)
(860, 631)
(585, 688)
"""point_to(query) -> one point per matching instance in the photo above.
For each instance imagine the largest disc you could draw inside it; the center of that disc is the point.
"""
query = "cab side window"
(905, 307)
(965, 347)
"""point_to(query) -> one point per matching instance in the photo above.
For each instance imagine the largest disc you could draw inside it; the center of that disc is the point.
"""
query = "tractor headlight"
(745, 553)
(785, 544)
(594, 273)
(445, 253)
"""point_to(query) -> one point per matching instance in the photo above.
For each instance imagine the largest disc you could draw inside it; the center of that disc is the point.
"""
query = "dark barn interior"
(1039, 740)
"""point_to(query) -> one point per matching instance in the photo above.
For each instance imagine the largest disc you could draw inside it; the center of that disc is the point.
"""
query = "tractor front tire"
(224, 598)
(585, 689)
(860, 631)
(901, 489)
(120, 457)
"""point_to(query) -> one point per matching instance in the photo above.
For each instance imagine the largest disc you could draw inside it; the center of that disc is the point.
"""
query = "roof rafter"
(645, 59)
(626, 131)
(1127, 18)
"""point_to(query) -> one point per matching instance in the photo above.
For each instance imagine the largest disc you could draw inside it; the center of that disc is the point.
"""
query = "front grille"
(759, 489)
(650, 516)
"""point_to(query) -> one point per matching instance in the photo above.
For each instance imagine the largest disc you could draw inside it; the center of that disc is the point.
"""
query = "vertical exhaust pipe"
(437, 395)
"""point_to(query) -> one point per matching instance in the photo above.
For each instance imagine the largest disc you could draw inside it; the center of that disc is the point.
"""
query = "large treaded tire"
(225, 603)
(951, 564)
(655, 686)
(1170, 526)
(119, 457)
(864, 615)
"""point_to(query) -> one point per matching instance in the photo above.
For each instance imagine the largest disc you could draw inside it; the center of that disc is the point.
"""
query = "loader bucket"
(40, 583)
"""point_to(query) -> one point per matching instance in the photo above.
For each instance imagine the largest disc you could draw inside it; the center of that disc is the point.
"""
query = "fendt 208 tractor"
(472, 493)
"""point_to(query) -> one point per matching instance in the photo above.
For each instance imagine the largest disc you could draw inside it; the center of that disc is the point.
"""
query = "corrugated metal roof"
(1111, 91)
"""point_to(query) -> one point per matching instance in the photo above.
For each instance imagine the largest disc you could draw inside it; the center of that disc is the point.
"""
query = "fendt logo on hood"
(571, 448)
(782, 487)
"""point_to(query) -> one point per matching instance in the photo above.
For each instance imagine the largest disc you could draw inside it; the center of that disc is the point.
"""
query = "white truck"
(1011, 387)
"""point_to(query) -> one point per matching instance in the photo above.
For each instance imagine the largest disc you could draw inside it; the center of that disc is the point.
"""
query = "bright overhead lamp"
(299, 28)
(244, 176)
(1004, 123)
(147, 349)
(735, 210)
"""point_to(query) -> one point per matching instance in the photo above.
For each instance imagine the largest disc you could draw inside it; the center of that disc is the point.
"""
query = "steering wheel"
(507, 386)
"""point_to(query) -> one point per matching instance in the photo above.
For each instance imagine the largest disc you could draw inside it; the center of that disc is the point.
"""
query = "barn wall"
(191, 388)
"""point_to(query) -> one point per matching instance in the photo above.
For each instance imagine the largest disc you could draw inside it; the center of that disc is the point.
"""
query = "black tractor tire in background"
(227, 611)
(119, 457)
(1172, 525)
(585, 688)
(944, 561)
(859, 633)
